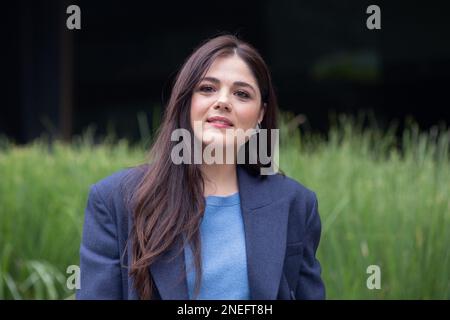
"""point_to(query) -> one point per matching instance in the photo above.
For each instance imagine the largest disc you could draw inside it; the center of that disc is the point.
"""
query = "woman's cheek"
(199, 106)
(247, 118)
(196, 109)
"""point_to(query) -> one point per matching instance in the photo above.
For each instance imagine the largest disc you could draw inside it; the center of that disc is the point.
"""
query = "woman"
(205, 229)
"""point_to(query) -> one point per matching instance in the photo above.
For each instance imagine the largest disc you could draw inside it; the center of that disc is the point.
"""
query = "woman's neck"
(220, 179)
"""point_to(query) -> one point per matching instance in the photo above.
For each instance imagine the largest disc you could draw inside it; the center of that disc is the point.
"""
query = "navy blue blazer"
(282, 233)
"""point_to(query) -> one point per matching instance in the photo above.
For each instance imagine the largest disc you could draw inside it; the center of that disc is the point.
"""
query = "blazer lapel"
(265, 227)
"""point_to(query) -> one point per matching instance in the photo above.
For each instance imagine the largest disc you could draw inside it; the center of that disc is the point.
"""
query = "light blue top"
(224, 260)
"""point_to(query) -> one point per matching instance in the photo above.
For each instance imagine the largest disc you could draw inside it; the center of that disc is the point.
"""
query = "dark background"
(123, 60)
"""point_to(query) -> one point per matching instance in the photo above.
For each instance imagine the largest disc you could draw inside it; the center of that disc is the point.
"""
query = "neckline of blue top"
(223, 201)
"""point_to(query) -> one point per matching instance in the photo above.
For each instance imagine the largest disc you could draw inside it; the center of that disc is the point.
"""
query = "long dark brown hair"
(169, 200)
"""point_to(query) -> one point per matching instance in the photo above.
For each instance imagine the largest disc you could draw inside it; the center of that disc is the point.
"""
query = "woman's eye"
(206, 88)
(243, 94)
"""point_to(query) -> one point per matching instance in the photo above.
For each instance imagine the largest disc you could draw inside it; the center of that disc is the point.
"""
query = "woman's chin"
(218, 142)
(215, 137)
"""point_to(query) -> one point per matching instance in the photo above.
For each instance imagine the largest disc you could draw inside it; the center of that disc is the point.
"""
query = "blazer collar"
(265, 225)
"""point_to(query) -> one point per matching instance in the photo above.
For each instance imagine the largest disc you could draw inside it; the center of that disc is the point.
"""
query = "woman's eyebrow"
(236, 83)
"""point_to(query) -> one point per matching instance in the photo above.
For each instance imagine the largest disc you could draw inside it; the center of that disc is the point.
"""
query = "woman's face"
(227, 98)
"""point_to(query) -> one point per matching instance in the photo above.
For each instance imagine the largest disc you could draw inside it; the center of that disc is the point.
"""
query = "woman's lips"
(219, 124)
(220, 121)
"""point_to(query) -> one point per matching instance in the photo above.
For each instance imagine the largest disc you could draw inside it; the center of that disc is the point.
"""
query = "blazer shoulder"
(120, 184)
(286, 185)
(121, 177)
(293, 191)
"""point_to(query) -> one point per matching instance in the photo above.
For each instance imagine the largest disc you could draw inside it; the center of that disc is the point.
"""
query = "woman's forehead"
(231, 69)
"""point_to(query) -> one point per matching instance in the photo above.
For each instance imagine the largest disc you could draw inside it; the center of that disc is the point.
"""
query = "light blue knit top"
(224, 259)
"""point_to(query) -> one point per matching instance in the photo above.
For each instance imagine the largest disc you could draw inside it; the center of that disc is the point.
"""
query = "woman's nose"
(223, 102)
(222, 105)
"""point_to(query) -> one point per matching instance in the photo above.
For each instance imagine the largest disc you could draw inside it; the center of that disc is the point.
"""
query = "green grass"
(379, 205)
(43, 193)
